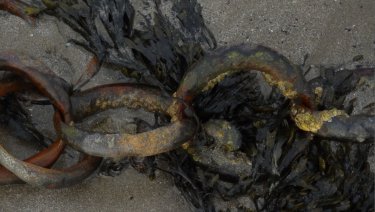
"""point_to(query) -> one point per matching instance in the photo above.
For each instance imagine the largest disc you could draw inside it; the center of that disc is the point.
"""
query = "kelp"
(17, 119)
(159, 51)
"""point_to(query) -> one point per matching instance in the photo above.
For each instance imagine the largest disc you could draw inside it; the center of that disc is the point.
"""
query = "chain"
(71, 107)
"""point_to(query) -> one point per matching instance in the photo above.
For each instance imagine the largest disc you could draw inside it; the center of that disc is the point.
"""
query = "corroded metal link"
(25, 90)
(56, 89)
(44, 80)
(120, 145)
(8, 86)
(105, 97)
(44, 158)
(277, 70)
(222, 155)
(281, 73)
(49, 178)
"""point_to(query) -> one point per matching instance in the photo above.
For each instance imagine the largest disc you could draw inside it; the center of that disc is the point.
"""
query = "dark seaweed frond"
(161, 51)
(17, 119)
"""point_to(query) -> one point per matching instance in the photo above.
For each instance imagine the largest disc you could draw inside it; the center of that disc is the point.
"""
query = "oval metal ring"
(45, 158)
(278, 71)
(42, 78)
(56, 89)
(121, 145)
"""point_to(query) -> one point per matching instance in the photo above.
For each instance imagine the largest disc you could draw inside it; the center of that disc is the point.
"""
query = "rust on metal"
(45, 158)
(277, 70)
(50, 178)
(43, 79)
(111, 96)
(56, 89)
(120, 145)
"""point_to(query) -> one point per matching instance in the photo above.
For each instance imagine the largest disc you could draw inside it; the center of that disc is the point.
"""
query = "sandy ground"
(331, 32)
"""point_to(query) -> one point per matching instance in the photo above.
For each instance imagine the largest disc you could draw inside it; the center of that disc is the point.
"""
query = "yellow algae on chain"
(210, 84)
(285, 87)
(233, 56)
(312, 121)
(31, 11)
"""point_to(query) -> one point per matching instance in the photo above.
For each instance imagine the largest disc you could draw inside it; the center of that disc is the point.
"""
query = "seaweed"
(14, 115)
(159, 51)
